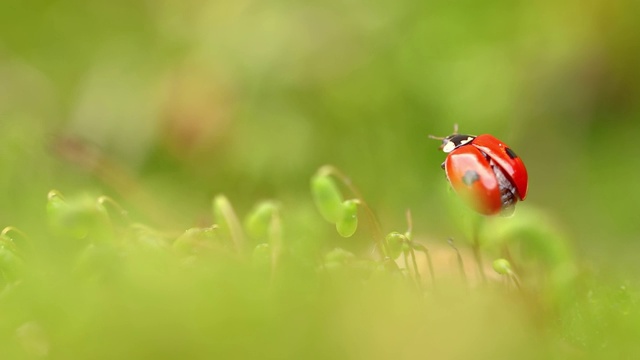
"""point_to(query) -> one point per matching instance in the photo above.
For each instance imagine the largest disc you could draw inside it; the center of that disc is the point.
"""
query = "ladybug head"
(453, 141)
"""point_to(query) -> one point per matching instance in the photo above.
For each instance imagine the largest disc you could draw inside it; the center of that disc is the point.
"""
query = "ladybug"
(485, 172)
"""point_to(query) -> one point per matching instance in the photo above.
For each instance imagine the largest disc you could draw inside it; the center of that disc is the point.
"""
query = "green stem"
(460, 262)
(275, 241)
(515, 279)
(409, 232)
(475, 234)
(426, 252)
(406, 261)
(415, 268)
(231, 219)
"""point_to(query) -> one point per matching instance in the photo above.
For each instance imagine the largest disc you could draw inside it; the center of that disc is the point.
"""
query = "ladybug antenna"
(440, 138)
(455, 132)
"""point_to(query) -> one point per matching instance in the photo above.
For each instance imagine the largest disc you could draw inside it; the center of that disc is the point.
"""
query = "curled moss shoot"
(329, 170)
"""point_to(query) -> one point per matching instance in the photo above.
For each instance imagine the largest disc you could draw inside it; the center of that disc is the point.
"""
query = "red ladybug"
(488, 175)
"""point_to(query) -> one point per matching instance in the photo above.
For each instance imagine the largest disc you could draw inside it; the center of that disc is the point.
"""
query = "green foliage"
(501, 266)
(338, 257)
(395, 244)
(78, 218)
(227, 220)
(348, 222)
(123, 287)
(259, 220)
(261, 256)
(195, 240)
(10, 263)
(327, 198)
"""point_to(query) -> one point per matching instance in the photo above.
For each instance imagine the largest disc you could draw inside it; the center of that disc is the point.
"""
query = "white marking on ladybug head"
(466, 141)
(448, 146)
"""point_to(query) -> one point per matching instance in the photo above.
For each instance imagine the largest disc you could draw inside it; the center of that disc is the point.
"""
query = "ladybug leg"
(507, 197)
(442, 165)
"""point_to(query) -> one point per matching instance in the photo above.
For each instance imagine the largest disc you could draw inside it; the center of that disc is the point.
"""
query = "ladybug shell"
(468, 168)
(507, 160)
(471, 176)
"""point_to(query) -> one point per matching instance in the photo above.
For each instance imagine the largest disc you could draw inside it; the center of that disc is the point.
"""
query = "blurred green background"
(248, 98)
(191, 98)
(163, 104)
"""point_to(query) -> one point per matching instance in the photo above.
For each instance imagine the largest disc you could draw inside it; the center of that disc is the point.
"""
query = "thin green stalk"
(475, 241)
(231, 221)
(415, 267)
(515, 279)
(460, 262)
(426, 252)
(406, 261)
(275, 241)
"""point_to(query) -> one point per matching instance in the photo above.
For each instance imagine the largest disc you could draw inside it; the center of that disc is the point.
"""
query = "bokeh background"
(163, 104)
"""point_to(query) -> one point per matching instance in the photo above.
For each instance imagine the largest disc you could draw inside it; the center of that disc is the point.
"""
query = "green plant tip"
(348, 224)
(220, 205)
(327, 197)
(258, 221)
(227, 221)
(502, 266)
(339, 255)
(76, 217)
(193, 239)
(395, 244)
(261, 255)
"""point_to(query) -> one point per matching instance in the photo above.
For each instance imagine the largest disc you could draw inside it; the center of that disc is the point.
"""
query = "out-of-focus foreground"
(163, 105)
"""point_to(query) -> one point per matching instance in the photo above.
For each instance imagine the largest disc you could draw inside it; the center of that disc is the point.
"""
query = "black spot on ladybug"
(510, 153)
(470, 177)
